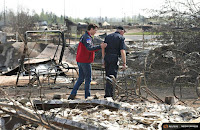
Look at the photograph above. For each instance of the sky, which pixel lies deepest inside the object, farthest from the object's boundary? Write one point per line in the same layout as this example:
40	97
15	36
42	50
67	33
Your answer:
85	8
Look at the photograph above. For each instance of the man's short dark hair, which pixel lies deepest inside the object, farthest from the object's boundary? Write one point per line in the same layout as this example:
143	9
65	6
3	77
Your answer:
92	26
121	28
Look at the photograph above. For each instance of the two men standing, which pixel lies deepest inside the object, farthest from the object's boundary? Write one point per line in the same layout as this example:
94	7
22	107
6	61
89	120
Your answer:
112	48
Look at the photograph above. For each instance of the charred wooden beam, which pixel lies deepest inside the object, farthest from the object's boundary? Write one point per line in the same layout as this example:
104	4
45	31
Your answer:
48	122
27	118
16	106
23	110
47	105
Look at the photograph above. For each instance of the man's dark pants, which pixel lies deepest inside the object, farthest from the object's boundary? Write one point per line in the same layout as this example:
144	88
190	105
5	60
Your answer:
111	68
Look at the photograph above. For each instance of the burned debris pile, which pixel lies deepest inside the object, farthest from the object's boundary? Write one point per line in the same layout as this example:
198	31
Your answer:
11	53
90	114
167	62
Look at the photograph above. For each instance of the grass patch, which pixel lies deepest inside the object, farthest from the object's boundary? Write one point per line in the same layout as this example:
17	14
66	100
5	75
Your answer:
76	36
145	33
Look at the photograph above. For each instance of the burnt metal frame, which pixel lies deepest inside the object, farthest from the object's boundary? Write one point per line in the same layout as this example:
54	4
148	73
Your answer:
180	97
21	67
50	31
135	92
197	84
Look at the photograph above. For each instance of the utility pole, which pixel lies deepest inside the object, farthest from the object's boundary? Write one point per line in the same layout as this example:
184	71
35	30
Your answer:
17	12
64	11
143	20
132	10
4	13
124	18
100	16
17	31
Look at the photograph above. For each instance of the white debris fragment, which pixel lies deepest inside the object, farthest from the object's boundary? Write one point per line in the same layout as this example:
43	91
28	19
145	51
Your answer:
77	118
90	98
28	104
151	114
10	103
109	99
106	112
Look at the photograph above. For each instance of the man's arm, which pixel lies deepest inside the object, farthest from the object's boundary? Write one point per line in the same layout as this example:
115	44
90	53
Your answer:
88	43
103	52
123	55
103	55
91	47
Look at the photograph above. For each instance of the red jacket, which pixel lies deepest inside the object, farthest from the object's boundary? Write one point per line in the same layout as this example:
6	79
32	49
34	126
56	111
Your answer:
86	49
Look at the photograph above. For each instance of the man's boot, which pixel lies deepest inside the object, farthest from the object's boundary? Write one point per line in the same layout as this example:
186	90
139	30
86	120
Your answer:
71	97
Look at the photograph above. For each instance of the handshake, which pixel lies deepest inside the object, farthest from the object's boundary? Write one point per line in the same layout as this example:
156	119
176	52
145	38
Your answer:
103	45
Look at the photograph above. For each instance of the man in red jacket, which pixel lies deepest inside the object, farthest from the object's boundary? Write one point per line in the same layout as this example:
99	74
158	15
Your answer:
85	56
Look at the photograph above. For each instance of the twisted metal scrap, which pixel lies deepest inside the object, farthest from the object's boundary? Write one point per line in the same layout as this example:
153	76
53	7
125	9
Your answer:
23	113
133	94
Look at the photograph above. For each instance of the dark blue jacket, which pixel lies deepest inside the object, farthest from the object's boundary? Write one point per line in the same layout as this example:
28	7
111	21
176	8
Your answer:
115	43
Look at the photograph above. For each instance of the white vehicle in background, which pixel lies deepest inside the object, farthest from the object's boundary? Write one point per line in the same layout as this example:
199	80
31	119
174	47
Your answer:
42	25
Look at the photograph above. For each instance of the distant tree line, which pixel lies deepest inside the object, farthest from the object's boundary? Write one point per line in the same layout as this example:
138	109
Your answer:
51	18
24	19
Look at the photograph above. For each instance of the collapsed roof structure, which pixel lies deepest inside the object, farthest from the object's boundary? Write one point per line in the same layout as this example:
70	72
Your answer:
46	63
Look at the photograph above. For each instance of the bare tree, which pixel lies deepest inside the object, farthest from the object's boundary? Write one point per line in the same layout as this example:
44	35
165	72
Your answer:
22	21
180	27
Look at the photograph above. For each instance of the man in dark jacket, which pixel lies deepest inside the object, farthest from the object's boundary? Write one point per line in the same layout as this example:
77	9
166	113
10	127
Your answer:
85	56
115	48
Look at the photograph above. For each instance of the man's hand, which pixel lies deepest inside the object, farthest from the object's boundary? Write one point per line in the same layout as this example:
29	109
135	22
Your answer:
103	45
124	66
103	63
123	54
